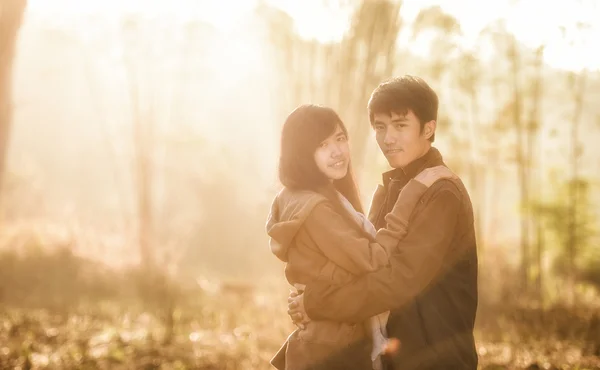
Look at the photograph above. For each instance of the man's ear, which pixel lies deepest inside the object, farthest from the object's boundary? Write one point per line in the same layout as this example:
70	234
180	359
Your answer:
429	129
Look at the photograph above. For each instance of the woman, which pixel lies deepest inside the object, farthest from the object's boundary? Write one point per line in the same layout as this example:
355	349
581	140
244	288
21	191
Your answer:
318	229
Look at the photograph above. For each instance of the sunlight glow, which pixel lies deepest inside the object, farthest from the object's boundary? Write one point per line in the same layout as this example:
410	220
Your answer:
533	21
223	14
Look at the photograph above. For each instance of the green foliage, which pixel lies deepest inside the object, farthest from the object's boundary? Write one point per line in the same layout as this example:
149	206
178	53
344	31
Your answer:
556	214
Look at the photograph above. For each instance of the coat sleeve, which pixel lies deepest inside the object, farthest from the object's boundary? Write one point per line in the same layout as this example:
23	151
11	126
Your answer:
342	243
397	220
416	261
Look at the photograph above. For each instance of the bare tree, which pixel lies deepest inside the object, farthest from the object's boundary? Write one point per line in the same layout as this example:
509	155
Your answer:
443	48
142	131
469	75
534	140
11	17
514	56
367	58
155	285
577	85
340	74
512	119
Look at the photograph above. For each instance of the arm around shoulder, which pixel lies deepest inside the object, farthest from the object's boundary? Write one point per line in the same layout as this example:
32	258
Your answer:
415	263
397	220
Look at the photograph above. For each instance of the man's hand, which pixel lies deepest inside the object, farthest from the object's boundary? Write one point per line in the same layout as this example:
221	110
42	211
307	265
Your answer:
296	309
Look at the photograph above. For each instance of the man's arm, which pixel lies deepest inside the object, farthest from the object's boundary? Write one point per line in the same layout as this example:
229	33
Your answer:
415	263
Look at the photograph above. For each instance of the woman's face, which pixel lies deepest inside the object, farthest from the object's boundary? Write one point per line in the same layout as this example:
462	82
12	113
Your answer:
333	155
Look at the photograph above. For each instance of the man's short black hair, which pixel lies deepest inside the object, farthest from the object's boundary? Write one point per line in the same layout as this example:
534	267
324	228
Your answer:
401	94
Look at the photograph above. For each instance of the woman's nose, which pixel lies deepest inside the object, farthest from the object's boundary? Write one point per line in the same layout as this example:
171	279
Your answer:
336	151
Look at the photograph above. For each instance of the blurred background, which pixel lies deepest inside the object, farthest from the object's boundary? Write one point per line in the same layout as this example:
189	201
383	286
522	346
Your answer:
138	158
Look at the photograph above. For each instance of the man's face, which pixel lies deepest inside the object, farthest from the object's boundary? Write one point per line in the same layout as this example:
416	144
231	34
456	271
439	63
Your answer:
400	137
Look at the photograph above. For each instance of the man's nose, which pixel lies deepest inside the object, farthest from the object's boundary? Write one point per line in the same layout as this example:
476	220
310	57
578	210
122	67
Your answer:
389	138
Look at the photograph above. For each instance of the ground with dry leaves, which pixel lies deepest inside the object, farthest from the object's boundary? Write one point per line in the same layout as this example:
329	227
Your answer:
57	312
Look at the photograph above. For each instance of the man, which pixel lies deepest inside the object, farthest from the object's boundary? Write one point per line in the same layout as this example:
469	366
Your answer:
430	284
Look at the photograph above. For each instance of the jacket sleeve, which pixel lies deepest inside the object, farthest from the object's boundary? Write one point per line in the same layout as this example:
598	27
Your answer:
416	261
397	220
343	243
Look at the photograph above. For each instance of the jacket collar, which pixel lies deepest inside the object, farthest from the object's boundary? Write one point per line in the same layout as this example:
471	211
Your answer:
432	158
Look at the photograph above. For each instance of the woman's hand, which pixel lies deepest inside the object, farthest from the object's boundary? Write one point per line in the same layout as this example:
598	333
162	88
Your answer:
296	309
430	175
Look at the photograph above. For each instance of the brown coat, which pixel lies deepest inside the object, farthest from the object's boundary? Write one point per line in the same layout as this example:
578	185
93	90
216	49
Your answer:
317	243
430	284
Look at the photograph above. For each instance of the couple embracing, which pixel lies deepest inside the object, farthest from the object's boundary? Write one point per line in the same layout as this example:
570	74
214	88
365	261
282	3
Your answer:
393	290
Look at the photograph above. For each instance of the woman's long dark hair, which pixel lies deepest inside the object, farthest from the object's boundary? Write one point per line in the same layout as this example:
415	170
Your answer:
303	131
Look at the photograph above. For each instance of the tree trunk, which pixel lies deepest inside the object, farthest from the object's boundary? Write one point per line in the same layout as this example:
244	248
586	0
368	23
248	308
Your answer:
375	31
521	165
142	170
578	88
533	131
473	163
344	76
11	17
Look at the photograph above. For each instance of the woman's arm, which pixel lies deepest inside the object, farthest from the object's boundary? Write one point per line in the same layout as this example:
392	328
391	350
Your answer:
397	220
413	266
343	243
